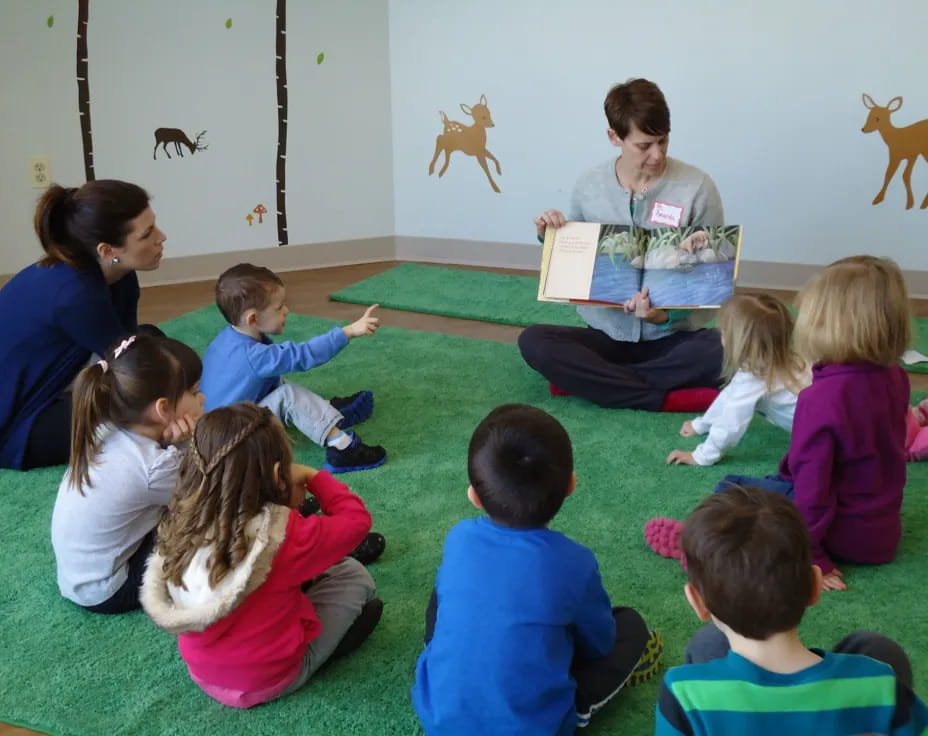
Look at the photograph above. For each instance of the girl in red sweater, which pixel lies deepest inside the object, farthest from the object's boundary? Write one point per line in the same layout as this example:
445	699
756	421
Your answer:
259	595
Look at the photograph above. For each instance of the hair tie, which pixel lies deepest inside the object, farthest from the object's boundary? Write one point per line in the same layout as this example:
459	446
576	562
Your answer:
103	364
123	346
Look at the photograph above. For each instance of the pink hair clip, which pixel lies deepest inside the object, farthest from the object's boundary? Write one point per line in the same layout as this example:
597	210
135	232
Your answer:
103	364
123	346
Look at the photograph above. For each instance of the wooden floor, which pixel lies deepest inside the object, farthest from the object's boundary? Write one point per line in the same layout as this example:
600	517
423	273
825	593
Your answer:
307	293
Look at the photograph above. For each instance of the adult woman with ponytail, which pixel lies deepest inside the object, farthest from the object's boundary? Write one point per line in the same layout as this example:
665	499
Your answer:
71	304
134	411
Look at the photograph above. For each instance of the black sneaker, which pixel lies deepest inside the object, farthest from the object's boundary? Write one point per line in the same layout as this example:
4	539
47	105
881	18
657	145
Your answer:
355	408
370	549
310	506
360	630
357	456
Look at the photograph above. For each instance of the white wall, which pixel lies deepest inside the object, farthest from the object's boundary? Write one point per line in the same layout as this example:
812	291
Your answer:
174	64
765	97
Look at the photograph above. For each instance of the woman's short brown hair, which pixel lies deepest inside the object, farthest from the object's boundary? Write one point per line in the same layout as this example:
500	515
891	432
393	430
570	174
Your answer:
637	102
855	310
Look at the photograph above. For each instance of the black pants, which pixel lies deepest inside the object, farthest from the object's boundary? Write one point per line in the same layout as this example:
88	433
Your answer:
709	643
622	375
127	597
597	679
49	441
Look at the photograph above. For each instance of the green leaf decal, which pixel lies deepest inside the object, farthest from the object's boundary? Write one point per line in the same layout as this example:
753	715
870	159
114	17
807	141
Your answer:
228	22
320	58
50	21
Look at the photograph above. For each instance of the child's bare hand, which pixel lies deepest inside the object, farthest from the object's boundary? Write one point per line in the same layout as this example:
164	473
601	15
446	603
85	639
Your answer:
687	429
681	457
179	430
367	325
300	476
833	580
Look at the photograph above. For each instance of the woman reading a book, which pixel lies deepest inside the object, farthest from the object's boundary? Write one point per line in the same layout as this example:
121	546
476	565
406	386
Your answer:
75	302
635	357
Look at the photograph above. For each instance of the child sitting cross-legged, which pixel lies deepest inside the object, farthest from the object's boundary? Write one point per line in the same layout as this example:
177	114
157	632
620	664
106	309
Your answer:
763	373
133	415
750	571
259	595
243	364
520	635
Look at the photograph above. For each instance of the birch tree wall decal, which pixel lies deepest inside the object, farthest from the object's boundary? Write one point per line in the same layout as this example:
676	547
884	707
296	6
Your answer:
83	88
282	122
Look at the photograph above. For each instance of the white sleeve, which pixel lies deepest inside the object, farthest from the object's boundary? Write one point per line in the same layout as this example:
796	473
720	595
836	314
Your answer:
731	413
164	472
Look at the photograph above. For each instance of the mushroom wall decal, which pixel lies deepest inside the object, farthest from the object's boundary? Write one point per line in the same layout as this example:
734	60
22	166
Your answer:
260	211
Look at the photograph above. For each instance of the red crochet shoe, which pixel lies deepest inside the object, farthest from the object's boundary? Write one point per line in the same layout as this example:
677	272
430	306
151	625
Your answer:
663	536
689	400
555	391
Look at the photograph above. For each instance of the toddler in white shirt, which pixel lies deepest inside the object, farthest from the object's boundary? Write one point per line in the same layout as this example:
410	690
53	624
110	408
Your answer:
764	373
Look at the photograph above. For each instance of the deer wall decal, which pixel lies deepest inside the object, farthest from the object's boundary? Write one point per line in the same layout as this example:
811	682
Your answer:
470	139
905	144
163	136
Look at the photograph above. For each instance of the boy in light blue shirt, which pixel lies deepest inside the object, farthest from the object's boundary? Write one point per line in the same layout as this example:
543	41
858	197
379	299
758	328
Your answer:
243	364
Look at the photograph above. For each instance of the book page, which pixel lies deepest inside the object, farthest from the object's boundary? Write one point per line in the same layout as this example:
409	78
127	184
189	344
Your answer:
569	271
691	267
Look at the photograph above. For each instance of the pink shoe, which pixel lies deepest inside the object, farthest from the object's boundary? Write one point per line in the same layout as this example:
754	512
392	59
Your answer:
663	536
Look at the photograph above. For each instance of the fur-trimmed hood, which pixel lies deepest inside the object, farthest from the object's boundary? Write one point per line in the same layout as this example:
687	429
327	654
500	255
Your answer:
182	611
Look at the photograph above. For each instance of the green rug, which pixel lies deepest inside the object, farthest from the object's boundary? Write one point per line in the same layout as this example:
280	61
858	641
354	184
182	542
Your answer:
456	292
488	297
65	671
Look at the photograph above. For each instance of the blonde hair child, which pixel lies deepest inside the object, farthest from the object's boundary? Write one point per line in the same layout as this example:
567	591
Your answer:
259	595
763	374
131	411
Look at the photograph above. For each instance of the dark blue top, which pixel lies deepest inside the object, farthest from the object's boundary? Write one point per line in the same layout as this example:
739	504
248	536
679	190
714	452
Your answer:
514	606
56	318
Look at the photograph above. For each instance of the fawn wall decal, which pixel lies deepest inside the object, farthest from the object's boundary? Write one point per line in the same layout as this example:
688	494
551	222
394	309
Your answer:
470	139
905	144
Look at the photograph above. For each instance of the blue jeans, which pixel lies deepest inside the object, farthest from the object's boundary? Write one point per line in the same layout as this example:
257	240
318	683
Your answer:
775	483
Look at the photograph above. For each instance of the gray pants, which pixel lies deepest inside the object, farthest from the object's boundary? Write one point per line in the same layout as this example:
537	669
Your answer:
338	595
311	414
709	643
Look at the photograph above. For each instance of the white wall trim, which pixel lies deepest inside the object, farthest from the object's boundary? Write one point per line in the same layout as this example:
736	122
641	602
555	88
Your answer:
522	256
207	267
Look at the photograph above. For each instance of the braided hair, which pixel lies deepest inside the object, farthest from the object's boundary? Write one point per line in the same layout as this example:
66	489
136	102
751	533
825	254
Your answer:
239	461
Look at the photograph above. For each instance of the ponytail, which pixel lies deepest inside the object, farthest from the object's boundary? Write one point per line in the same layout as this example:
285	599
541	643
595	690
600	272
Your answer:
71	222
91	404
119	390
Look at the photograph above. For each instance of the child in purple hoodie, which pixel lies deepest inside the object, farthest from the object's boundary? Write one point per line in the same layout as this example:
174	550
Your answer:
846	464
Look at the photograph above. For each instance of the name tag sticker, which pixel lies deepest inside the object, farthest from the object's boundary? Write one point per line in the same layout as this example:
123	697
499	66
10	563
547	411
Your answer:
663	213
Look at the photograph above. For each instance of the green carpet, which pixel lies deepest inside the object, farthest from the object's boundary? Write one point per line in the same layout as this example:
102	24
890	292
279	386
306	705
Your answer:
488	297
65	671
455	292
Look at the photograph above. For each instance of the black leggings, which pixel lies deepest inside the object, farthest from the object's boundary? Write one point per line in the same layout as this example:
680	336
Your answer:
49	441
127	597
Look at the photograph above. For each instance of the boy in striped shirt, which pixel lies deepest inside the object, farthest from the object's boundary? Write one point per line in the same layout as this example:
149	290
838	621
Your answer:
751	573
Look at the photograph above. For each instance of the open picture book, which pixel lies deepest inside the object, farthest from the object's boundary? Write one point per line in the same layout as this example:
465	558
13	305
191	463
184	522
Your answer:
691	267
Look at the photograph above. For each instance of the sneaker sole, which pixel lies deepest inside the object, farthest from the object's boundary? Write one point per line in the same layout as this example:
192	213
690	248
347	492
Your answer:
357	411
650	662
352	468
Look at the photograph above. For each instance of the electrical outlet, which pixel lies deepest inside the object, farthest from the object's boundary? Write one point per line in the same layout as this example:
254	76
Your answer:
40	172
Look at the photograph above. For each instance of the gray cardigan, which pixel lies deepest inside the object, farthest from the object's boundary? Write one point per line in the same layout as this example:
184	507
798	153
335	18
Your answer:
598	197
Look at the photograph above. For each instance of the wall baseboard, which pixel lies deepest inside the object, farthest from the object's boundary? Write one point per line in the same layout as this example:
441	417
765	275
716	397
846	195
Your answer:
522	256
527	256
285	258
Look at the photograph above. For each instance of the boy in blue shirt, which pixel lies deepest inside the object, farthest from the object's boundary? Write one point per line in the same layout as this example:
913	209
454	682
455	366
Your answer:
750	570
520	635
243	364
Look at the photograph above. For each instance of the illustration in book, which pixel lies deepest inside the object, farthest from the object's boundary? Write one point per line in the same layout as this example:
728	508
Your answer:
688	267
